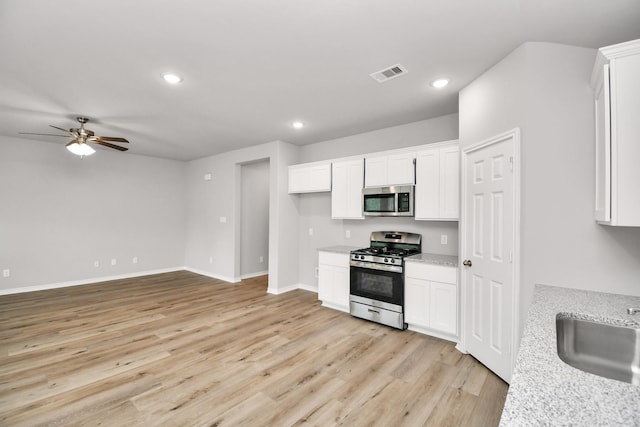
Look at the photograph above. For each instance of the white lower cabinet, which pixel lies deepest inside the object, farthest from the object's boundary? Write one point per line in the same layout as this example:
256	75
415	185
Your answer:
431	299
333	280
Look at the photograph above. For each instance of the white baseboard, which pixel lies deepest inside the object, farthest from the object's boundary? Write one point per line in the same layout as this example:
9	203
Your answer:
308	288
290	288
251	275
212	275
86	281
149	272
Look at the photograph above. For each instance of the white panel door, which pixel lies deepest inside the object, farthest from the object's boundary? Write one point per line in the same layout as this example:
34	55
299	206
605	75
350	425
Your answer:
489	275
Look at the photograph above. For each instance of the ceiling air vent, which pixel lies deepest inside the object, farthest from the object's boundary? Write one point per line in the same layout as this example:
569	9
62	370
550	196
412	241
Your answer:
389	73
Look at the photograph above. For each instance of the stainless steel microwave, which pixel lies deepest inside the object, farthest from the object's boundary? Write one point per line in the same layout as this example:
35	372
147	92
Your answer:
388	201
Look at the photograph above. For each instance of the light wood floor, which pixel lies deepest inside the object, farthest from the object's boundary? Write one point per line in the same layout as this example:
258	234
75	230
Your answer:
179	349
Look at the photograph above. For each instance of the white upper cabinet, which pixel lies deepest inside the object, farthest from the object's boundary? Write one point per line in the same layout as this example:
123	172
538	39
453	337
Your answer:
346	191
616	84
437	190
392	169
310	178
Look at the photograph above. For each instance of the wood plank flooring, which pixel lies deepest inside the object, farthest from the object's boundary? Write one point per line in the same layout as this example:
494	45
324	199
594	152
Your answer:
179	349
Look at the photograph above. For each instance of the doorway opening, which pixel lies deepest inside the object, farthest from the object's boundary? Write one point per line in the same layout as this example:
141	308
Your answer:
254	219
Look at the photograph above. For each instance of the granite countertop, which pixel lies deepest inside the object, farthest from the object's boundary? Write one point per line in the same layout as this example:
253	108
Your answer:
448	260
340	249
546	391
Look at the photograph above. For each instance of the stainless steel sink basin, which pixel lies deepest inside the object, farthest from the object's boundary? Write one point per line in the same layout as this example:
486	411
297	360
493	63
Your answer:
602	349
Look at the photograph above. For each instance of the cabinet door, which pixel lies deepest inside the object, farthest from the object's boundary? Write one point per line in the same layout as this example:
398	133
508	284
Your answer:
416	302
376	172
427	191
625	139
297	180
603	149
401	169
449	183
333	280
325	280
443	307
346	191
438	183
341	290
310	178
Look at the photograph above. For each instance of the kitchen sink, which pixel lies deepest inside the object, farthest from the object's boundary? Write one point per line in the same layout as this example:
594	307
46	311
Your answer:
602	349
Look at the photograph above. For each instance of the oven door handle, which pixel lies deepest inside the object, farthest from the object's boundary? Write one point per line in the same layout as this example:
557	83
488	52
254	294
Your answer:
374	266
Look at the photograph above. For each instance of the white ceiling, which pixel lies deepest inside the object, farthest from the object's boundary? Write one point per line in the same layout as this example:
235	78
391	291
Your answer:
251	67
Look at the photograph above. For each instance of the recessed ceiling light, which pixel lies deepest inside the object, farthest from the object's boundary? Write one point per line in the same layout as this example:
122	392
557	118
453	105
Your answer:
171	78
297	125
440	83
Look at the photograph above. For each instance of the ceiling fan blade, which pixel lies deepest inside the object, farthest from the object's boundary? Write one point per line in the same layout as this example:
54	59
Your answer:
63	130
108	138
44	134
106	144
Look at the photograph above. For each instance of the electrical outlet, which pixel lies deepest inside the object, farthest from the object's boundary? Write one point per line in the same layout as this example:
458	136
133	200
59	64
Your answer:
114	261
310	231
347	234
210	260
207	177
223	219
96	264
443	239
6	273
261	259
134	260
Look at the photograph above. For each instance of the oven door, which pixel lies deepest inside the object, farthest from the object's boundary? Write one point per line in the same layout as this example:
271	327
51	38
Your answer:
377	286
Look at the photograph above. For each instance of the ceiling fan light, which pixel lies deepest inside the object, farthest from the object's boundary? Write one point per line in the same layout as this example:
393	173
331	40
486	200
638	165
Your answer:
80	149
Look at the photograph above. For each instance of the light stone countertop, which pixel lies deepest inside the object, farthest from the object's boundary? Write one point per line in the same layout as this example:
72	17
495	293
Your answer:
544	390
448	260
340	249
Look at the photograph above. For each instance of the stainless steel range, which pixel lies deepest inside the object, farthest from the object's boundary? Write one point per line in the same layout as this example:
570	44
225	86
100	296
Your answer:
377	277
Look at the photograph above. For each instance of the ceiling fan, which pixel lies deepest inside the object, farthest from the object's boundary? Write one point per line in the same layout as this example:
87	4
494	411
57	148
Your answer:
82	136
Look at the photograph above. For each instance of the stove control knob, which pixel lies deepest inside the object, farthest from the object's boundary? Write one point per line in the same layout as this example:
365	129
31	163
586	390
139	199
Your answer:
393	261
386	260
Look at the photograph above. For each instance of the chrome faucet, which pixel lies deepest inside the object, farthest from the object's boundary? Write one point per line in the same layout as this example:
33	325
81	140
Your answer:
633	311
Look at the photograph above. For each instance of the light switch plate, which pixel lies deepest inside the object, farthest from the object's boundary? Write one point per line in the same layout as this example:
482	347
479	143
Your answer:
443	239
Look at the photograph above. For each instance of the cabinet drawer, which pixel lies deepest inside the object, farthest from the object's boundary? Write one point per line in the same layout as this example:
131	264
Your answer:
435	273
333	258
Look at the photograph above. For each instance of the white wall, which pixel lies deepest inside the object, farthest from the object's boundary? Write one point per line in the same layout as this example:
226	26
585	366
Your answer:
59	214
214	214
315	209
422	132
544	89
254	223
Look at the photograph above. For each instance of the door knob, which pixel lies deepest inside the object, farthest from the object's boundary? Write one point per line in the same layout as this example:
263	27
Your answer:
467	263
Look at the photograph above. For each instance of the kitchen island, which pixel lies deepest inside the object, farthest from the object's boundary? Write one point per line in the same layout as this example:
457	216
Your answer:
544	390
